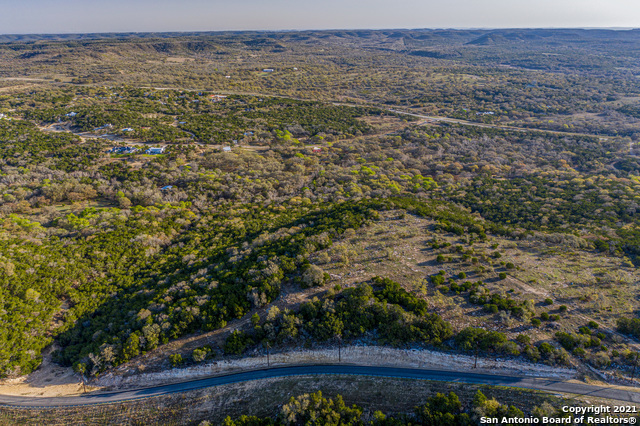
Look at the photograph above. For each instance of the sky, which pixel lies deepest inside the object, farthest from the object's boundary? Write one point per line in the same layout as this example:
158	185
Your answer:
91	16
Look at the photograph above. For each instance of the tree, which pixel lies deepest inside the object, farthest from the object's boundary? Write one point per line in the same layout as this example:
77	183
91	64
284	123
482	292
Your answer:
485	407
445	410
151	333
200	354
237	343
132	346
81	368
176	360
309	409
313	276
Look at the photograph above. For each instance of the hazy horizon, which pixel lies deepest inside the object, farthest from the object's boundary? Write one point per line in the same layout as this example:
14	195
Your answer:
324	29
144	16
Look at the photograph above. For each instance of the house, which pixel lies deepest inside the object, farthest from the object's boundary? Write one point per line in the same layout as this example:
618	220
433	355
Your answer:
128	129
268	70
123	150
106	126
72	114
166	188
226	148
248	133
317	149
155	151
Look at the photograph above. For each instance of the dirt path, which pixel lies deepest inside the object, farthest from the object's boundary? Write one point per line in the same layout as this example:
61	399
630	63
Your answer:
25	79
495	126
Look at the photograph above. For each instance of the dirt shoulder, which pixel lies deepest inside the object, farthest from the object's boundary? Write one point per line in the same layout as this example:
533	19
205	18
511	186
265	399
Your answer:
48	380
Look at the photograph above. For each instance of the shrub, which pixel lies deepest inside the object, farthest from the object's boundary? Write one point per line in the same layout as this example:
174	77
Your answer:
523	339
313	408
504	303
629	326
324	258
546	348
570	341
237	343
548	301
200	354
314	276
393	293
255	319
439	410
584	330
509	348
532	353
176	360
470	338
502	275
544	316
536	322
563	308
437	280
600	360
593	325
552	355
491	308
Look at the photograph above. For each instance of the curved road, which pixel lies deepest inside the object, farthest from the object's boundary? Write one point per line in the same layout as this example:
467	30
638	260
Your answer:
549	385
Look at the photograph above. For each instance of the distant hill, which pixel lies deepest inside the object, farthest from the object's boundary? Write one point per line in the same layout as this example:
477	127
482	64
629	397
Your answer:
471	37
570	35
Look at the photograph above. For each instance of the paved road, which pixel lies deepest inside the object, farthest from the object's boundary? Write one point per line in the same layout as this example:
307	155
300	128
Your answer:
549	385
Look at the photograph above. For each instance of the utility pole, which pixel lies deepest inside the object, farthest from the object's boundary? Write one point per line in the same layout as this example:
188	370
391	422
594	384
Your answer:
268	363
475	364
81	368
339	348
